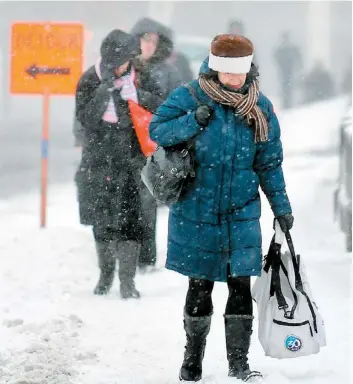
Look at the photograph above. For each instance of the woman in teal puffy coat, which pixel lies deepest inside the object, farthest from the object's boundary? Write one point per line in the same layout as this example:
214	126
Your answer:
214	231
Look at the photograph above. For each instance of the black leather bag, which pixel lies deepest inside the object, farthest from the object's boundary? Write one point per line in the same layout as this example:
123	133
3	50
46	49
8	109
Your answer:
169	171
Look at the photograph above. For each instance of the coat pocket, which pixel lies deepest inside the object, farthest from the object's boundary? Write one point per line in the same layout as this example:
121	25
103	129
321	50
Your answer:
93	194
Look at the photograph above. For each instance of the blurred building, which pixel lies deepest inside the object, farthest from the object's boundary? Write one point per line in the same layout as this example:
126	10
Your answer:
322	29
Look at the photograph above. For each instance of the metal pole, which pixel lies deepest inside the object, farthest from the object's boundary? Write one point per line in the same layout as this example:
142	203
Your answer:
44	160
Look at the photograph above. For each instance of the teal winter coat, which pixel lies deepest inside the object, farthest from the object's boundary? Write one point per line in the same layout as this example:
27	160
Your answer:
217	222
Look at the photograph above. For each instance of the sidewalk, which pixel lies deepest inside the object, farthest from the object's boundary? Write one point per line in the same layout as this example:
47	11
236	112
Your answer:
53	330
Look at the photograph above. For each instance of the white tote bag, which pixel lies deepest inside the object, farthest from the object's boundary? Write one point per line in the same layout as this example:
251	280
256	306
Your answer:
290	324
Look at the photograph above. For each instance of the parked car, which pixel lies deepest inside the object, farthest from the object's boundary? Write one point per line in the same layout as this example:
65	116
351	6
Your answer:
343	193
195	48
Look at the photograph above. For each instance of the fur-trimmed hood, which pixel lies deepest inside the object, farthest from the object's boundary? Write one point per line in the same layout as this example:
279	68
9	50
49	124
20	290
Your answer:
165	45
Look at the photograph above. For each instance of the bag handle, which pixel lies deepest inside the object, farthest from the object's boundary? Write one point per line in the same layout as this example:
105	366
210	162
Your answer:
279	234
279	239
276	280
276	264
295	261
298	279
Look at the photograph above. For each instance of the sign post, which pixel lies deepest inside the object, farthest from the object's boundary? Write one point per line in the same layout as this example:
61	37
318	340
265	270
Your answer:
44	160
46	59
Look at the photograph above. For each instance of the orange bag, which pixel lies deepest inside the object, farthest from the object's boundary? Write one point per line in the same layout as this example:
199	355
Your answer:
141	118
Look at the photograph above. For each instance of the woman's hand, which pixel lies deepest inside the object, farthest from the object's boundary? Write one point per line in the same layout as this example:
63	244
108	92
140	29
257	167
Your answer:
108	74
285	222
203	115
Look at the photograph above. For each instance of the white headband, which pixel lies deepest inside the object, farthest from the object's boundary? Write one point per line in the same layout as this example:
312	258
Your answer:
230	64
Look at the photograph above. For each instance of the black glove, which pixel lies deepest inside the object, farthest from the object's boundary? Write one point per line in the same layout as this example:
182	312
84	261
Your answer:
285	222
108	74
203	115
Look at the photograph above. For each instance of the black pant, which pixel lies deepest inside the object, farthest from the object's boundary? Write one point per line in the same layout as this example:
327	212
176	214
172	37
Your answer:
199	297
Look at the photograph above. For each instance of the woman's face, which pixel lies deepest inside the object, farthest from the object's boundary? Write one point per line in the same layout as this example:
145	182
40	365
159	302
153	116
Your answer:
149	44
232	80
120	70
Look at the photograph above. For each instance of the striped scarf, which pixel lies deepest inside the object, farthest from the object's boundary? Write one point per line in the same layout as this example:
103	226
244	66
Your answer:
246	105
126	84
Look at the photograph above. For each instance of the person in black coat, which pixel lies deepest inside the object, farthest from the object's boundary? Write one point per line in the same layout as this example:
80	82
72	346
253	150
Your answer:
157	47
78	133
109	174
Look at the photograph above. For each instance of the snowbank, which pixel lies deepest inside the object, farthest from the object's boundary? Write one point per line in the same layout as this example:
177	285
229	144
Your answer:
53	330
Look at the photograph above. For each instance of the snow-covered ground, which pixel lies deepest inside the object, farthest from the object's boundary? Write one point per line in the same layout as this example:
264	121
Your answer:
53	330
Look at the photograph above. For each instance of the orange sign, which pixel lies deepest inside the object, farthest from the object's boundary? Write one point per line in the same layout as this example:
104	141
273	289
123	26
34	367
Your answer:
46	57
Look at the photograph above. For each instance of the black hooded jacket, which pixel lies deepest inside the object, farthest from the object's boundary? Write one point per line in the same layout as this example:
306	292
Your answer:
111	155
162	72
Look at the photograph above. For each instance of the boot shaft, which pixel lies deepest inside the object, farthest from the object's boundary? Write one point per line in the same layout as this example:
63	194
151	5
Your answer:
196	329
106	256
128	252
107	261
238	330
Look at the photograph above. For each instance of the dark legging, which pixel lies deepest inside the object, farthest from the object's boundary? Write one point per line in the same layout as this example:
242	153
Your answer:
199	297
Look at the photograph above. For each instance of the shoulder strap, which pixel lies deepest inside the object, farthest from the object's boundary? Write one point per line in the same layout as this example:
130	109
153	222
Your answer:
192	91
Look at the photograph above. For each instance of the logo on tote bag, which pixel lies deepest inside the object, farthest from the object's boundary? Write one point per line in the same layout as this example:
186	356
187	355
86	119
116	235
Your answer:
293	343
